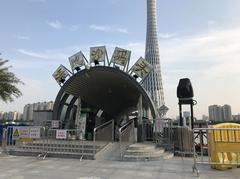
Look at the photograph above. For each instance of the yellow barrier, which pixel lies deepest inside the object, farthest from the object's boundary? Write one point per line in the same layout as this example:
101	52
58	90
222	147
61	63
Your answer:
224	145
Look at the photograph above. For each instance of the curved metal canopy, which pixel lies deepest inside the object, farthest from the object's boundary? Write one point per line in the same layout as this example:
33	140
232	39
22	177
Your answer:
105	88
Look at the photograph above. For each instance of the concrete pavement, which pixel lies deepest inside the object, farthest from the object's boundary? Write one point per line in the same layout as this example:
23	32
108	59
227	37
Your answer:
15	167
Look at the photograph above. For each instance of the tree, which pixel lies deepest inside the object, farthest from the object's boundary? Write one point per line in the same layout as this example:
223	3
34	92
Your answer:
8	82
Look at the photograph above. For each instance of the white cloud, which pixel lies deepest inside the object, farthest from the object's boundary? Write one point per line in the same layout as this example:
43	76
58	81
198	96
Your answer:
219	50
211	22
108	29
122	30
22	37
74	28
167	35
210	60
100	28
55	24
47	54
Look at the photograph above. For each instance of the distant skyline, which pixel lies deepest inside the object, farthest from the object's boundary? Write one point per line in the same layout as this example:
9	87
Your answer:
198	39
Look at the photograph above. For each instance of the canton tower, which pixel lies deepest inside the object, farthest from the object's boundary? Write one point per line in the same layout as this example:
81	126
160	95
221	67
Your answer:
153	82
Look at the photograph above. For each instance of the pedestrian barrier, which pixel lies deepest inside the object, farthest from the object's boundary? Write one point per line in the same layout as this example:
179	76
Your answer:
65	142
164	133
41	142
218	146
24	139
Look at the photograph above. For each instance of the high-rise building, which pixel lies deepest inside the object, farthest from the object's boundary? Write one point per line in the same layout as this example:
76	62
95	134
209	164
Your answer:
28	111
215	113
220	113
1	115
227	113
236	117
153	82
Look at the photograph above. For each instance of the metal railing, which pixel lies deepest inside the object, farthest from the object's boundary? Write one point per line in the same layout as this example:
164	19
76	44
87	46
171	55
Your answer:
219	147
126	136
67	143
164	137
48	143
11	142
103	132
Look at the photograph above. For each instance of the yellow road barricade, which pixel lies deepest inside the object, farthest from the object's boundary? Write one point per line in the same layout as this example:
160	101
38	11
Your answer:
218	146
224	145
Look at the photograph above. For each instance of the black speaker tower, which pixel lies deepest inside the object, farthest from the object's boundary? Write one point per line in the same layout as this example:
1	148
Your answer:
185	97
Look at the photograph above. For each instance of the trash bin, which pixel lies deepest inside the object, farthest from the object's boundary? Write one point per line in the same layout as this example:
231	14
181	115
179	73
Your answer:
225	145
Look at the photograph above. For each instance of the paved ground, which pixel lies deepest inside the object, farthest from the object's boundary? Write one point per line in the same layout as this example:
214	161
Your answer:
15	167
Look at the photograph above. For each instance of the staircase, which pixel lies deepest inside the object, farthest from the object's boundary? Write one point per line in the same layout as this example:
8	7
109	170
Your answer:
61	149
146	151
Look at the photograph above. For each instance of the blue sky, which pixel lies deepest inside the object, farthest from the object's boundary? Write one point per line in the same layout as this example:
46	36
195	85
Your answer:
199	39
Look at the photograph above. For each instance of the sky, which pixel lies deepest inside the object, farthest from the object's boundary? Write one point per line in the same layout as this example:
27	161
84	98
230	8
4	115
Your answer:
199	39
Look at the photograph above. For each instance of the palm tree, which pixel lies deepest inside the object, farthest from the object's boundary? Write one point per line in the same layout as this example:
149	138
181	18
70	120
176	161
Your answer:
8	82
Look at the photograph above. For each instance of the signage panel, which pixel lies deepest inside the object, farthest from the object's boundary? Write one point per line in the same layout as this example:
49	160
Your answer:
97	54
121	56
142	68
61	134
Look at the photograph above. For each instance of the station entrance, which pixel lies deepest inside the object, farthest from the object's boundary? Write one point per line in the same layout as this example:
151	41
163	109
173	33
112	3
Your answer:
92	97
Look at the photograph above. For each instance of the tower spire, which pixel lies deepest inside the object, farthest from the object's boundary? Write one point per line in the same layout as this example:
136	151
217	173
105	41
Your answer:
153	82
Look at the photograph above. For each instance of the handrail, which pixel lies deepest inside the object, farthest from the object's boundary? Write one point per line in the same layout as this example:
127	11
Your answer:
126	124
121	131
100	127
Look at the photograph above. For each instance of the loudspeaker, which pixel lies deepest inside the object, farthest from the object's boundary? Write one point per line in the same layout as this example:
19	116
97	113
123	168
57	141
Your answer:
184	89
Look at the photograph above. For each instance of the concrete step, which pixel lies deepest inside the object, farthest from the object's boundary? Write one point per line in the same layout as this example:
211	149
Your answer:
155	157
57	150
145	152
86	156
142	146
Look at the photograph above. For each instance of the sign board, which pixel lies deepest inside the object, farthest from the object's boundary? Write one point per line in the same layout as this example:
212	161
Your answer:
77	60
97	54
142	68
26	139
34	132
15	134
158	125
121	56
61	134
83	121
23	132
55	124
60	74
